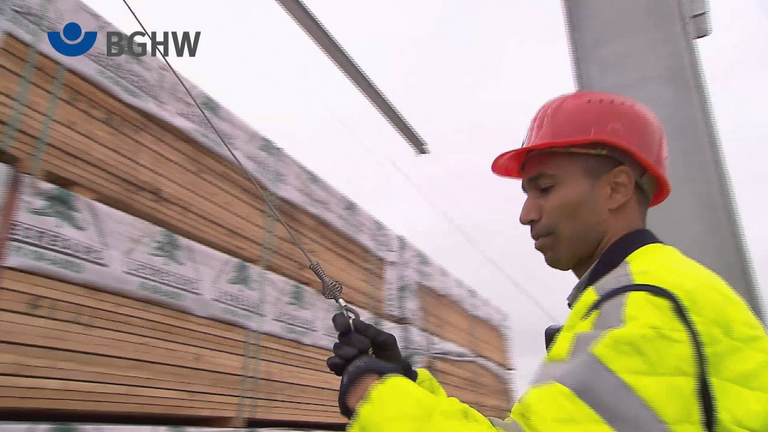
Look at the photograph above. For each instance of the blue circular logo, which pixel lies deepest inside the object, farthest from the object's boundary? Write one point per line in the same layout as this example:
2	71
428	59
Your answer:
72	31
65	42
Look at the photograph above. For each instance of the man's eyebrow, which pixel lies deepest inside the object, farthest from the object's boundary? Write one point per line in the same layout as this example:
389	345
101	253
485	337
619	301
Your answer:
534	179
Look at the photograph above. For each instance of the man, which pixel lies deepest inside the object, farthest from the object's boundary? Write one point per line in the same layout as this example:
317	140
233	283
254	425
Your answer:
654	340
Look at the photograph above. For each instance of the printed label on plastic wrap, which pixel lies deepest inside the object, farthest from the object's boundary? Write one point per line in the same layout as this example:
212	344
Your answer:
298	312
237	292
55	231
160	264
65	236
267	163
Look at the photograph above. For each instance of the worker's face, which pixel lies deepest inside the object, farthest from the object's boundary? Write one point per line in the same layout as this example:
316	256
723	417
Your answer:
565	210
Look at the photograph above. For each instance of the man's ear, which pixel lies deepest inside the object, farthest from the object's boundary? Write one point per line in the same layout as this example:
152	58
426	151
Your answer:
621	186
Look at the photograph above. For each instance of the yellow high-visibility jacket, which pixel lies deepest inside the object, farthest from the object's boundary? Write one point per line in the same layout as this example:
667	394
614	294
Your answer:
654	342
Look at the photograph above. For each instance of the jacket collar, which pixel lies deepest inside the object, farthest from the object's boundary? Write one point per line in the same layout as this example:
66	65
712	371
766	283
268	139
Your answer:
614	255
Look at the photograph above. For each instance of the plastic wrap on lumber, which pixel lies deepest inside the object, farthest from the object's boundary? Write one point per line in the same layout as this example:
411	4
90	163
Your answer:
61	234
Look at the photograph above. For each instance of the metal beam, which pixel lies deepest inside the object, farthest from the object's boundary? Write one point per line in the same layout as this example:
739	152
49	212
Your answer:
698	10
310	24
645	49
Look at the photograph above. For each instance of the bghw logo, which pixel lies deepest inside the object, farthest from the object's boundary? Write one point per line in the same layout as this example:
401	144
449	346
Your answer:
72	41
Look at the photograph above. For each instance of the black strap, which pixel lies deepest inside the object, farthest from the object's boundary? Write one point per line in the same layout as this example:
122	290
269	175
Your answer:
706	398
550	333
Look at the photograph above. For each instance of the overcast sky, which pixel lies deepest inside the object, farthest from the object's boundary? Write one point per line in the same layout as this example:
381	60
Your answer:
468	76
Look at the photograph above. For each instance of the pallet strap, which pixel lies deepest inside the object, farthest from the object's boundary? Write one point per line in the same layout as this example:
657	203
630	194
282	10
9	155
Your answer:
250	380
50	114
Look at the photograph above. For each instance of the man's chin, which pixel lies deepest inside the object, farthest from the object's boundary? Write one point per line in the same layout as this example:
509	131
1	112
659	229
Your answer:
555	263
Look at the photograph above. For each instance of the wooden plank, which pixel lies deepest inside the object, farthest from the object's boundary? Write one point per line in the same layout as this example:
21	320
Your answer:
55	350
161	318
65	312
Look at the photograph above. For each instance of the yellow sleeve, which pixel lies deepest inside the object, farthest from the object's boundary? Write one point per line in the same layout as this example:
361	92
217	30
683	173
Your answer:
428	382
397	404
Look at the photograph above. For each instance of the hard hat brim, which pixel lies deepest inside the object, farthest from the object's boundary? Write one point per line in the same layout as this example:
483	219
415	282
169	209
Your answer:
510	164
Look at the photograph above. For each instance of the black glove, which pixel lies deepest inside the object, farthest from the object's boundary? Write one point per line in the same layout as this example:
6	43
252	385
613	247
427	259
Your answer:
359	367
366	337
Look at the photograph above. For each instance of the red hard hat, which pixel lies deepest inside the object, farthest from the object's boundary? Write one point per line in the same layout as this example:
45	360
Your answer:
586	117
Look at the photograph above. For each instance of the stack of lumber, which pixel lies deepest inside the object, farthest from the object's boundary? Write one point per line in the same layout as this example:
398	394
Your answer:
82	345
423	293
85	351
474	385
444	318
141	165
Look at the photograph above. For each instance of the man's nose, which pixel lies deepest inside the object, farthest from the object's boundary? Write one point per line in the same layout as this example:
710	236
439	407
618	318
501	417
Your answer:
530	213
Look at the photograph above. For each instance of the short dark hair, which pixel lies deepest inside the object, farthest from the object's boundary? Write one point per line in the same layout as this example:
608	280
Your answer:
598	166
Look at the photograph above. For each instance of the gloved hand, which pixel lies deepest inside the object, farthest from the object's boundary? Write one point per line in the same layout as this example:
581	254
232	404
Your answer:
360	367
352	345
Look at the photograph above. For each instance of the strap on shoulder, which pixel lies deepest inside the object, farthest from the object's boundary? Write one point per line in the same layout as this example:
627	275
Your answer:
706	398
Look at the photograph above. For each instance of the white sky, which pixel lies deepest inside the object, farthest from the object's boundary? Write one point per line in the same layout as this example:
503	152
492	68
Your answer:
468	76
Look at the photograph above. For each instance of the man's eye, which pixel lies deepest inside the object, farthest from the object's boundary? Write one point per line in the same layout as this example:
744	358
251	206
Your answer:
545	189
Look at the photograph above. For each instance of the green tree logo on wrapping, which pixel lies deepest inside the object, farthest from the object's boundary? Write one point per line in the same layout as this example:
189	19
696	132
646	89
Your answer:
210	106
422	267
241	276
312	178
268	147
350	208
272	168
60	205
297	297
168	248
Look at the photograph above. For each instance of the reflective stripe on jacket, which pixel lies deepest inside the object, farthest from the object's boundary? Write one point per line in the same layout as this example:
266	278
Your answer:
625	360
